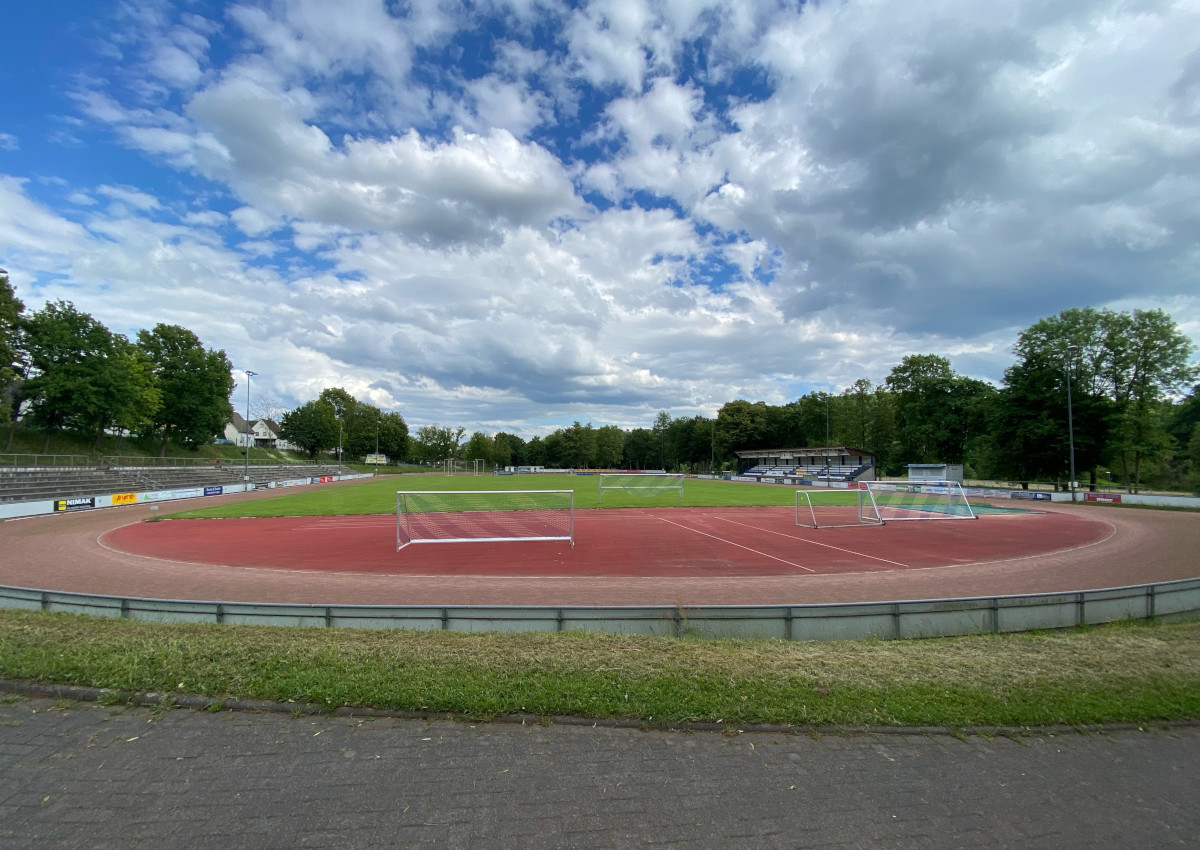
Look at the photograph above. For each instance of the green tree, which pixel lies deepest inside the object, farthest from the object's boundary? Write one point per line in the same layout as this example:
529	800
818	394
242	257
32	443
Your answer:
437	443
641	449
393	436
195	383
510	449
12	360
312	426
937	411
610	446
480	447
1122	365
70	369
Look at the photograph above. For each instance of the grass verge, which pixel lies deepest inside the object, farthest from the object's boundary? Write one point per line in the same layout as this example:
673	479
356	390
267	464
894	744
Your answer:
1116	674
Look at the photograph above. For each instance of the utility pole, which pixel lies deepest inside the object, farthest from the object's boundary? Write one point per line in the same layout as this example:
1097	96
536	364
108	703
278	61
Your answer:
246	476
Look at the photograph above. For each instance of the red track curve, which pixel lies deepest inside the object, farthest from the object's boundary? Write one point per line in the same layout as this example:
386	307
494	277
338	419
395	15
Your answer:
1121	547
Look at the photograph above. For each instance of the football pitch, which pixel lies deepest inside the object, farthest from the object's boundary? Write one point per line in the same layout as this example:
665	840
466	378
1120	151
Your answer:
378	495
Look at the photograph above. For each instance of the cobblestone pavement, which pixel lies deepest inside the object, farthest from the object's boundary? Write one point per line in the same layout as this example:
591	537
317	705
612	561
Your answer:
83	775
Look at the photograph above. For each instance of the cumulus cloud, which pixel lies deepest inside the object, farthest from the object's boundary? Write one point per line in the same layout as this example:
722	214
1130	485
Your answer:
526	213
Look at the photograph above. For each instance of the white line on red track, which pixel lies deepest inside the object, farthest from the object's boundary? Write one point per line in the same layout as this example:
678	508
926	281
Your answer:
738	545
813	542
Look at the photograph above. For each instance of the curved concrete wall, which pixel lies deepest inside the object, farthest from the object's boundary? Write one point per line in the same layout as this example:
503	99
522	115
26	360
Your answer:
1177	600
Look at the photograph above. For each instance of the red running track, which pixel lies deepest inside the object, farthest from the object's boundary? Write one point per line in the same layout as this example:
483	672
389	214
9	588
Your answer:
662	542
74	552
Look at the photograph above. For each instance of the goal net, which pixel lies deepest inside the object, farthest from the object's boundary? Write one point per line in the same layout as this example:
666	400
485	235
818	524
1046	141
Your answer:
484	516
899	501
836	508
641	483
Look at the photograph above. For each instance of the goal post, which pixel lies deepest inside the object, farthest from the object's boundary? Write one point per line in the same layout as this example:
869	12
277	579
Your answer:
641	483
836	508
484	516
899	501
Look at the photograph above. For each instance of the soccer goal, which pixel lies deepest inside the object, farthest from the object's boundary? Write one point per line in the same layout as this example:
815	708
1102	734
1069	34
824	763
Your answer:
898	501
836	508
641	483
484	516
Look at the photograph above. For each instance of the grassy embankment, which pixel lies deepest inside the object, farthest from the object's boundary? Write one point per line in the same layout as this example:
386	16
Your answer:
1137	674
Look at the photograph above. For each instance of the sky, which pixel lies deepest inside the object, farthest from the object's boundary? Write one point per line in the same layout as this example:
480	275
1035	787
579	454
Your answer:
515	215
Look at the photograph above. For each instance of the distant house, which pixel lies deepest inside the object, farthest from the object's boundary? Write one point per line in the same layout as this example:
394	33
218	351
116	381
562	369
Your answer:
264	433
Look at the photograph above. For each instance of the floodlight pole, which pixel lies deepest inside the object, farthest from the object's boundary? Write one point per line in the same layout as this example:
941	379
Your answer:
828	440
1072	350
246	475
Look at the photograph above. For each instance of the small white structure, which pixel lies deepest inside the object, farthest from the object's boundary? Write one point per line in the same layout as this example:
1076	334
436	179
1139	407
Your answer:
925	472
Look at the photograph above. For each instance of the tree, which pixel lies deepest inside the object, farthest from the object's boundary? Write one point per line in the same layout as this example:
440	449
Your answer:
195	383
437	443
12	360
393	436
1121	365
71	358
937	411
312	426
610	446
480	447
509	448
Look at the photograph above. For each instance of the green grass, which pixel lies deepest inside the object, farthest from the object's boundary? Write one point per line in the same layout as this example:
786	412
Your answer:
1126	673
378	496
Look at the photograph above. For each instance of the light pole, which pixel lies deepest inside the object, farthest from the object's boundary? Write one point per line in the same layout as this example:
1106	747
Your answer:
1072	350
246	475
828	440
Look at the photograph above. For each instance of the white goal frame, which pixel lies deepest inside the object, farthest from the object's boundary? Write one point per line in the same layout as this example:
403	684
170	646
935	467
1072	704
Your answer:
903	501
811	513
484	516
641	483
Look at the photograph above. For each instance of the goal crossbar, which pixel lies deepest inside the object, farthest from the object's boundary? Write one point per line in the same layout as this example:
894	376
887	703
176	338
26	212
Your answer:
484	516
641	483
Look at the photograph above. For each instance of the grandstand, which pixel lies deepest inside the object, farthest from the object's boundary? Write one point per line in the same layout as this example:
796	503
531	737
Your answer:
31	484
825	463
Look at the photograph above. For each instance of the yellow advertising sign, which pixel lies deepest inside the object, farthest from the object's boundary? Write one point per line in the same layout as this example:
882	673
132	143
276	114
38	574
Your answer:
124	499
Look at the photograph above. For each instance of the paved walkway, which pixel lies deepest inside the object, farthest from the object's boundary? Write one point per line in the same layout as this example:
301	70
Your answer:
89	776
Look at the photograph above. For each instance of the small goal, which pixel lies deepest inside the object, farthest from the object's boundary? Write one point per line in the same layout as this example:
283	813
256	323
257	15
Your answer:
836	508
641	483
899	501
484	516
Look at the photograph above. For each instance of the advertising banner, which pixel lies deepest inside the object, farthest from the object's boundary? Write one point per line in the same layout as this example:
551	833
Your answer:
76	504
214	491
1113	498
124	498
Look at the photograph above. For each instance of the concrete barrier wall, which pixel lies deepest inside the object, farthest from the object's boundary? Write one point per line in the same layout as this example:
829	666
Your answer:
1177	600
13	510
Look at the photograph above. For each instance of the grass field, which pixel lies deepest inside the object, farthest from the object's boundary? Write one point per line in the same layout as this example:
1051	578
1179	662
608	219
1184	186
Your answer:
378	496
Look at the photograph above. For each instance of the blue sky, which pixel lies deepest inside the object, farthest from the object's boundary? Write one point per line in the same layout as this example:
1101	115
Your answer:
509	216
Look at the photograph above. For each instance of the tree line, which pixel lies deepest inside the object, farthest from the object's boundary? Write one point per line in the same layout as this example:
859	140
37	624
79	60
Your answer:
1120	385
62	370
1133	409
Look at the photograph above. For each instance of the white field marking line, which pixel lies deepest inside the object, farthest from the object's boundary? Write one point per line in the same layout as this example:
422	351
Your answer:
738	545
814	542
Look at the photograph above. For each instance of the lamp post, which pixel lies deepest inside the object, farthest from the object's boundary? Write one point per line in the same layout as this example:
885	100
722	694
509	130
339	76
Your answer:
1072	350
246	474
828	440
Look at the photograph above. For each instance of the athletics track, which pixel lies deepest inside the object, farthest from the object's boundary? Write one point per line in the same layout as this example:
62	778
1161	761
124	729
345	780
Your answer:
733	556
678	542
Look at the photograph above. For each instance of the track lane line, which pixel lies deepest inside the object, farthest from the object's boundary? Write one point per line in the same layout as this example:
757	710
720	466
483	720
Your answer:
814	542
738	545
